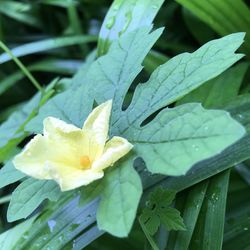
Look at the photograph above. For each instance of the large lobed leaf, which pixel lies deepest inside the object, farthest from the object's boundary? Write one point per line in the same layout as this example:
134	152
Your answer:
28	196
182	136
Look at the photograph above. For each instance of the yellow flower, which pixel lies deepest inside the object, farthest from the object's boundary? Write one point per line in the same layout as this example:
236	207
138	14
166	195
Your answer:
71	156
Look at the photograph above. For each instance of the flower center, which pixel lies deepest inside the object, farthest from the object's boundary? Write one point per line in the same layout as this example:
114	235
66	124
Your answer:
85	162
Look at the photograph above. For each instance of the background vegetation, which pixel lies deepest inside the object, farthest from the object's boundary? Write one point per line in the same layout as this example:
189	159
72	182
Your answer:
53	39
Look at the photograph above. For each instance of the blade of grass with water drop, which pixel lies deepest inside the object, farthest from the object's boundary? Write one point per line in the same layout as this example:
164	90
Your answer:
209	229
180	240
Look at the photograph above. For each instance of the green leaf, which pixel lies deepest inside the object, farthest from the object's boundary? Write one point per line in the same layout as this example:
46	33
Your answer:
219	15
28	196
150	220
237	221
157	211
179	76
206	235
9	175
91	192
220	90
19	11
12	131
117	209
125	16
45	45
59	224
180	240
60	3
10	134
128	54
188	134
153	60
72	106
9	238
172	220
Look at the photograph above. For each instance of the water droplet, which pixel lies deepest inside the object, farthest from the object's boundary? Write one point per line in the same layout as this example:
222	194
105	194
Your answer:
245	228
110	23
60	238
206	128
195	147
51	224
74	243
117	6
128	17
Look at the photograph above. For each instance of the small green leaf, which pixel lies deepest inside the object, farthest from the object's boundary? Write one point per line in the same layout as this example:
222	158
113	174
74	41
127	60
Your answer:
171	219
28	196
150	220
119	199
9	174
157	211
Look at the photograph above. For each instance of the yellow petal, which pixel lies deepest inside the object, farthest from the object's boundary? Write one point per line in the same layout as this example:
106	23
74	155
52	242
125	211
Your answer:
70	178
32	159
98	122
116	148
54	128
68	141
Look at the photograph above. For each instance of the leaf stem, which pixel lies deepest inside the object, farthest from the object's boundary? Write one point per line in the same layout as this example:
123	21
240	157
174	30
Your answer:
5	199
148	236
22	67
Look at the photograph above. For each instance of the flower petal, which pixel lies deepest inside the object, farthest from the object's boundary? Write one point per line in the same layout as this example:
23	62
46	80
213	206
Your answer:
53	127
32	159
116	148
70	178
98	122
69	141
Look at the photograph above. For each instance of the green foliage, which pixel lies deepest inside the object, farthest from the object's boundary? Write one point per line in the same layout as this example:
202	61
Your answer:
160	114
206	235
117	209
28	196
10	237
219	15
8	174
158	211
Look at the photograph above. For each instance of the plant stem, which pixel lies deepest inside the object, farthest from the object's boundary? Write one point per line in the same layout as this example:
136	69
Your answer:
22	67
5	199
148	236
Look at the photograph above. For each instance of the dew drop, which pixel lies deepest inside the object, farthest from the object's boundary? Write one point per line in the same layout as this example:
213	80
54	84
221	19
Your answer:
110	23
206	128
245	228
51	224
128	16
155	6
